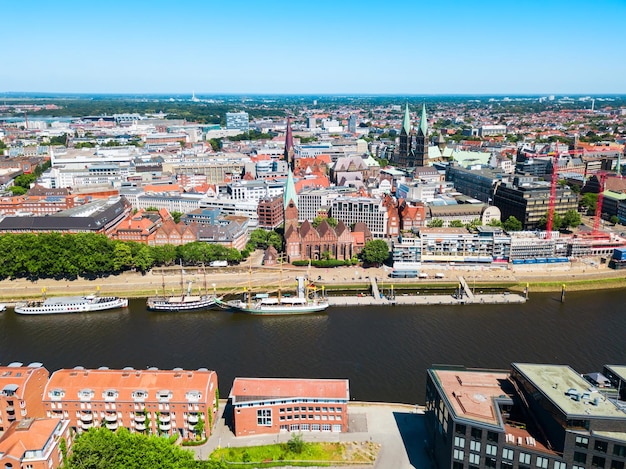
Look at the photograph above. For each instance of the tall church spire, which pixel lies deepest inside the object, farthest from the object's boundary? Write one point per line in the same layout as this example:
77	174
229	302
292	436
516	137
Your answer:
423	121
421	140
405	152
289	152
406	121
290	203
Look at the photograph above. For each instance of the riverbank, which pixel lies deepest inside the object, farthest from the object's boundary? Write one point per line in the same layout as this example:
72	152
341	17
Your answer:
576	276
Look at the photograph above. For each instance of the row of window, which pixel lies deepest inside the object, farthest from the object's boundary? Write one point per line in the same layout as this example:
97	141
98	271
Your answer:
137	407
310	417
314	427
282	410
524	459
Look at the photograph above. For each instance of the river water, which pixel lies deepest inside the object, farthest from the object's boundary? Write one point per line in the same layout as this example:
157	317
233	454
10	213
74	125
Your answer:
383	351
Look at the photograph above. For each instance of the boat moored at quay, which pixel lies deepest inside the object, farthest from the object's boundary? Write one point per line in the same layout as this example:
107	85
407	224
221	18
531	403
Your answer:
71	304
306	302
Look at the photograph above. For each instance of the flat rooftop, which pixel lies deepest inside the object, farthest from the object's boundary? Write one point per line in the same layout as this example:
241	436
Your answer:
618	370
471	393
260	389
560	382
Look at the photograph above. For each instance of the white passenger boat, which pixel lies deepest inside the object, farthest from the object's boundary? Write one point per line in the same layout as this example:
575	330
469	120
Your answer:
71	304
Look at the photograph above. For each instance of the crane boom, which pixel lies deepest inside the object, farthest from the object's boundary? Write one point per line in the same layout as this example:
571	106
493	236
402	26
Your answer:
598	216
553	183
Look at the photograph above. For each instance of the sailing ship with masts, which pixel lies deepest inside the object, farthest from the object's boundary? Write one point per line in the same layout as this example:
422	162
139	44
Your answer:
306	301
186	301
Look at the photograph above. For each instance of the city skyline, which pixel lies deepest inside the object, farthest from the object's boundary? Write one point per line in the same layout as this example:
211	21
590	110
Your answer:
323	48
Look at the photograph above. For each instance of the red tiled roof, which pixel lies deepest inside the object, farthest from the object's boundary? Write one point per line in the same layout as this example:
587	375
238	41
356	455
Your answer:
27	435
246	388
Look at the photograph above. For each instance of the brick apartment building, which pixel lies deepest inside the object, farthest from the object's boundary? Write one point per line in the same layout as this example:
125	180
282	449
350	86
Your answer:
34	444
273	405
21	392
164	402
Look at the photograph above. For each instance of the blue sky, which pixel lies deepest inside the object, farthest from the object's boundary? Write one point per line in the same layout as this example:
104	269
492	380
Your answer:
314	46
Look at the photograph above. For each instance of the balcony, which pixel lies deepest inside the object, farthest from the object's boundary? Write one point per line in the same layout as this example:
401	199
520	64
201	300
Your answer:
111	425
111	417
10	408
140	418
86	425
164	418
164	427
140	427
86	416
192	418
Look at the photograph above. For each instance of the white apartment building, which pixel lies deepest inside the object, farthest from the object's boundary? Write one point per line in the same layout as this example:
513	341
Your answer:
370	211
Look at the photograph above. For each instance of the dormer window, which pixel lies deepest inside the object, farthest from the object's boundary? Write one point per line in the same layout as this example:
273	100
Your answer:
56	394
9	390
85	394
193	396
110	394
140	395
164	396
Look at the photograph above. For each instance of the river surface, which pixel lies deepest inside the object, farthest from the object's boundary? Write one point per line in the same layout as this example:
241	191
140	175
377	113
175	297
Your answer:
383	351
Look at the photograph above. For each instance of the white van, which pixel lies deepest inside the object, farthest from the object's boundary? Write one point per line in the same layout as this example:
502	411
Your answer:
218	264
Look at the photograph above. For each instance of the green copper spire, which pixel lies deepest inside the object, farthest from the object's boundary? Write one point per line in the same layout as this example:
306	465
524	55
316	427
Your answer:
423	121
406	122
290	191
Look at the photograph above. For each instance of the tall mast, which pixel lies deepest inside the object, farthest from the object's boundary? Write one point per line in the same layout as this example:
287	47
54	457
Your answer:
206	293
182	280
250	284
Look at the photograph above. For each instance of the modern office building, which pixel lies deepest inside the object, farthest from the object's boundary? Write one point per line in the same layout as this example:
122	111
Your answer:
368	210
273	405
528	200
21	391
476	183
163	402
238	120
270	212
535	416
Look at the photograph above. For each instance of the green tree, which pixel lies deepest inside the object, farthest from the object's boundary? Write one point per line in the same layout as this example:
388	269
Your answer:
262	239
122	257
296	444
100	448
589	201
375	252
456	224
199	427
495	222
557	222
571	218
435	223
176	216
17	190
512	224
330	220
614	219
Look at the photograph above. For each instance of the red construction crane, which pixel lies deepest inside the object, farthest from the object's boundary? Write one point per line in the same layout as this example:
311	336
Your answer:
596	222
553	184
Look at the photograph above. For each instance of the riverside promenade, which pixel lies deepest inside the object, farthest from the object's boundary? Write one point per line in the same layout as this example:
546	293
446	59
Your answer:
464	295
398	428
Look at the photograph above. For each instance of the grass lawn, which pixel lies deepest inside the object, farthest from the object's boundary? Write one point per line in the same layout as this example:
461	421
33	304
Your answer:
313	454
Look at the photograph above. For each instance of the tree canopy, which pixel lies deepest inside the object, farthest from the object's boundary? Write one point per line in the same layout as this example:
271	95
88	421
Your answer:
375	252
512	224
100	448
58	255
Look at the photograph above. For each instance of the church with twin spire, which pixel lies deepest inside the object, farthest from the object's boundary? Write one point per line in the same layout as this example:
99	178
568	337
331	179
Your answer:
413	149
